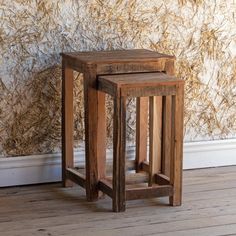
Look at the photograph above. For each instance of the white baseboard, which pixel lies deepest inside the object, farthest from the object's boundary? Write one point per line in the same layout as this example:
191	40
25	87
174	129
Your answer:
47	168
209	154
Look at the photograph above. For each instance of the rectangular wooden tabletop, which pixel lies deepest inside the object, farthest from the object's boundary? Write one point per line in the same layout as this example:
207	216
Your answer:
139	79
115	56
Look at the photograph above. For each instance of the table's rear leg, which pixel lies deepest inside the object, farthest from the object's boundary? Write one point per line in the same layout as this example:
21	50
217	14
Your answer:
67	123
166	155
166	135
141	131
155	137
177	146
119	143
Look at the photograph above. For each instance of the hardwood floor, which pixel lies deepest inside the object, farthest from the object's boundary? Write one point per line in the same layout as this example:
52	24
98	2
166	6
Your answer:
209	209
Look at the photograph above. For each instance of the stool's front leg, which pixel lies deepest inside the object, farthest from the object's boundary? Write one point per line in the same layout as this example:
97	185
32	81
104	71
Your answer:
177	146
166	139
119	142
67	123
95	133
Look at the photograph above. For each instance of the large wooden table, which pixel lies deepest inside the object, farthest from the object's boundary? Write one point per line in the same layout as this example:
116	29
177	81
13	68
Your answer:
92	64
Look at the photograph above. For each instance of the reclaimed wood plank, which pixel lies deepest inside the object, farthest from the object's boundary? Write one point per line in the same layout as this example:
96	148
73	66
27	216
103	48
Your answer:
177	146
76	177
149	192
155	136
119	137
141	131
67	123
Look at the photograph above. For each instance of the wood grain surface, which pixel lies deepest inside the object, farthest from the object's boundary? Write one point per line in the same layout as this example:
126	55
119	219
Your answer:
208	209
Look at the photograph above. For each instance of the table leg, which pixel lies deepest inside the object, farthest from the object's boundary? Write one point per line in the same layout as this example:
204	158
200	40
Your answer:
155	137
119	143
166	139
177	146
141	131
166	135
67	123
95	133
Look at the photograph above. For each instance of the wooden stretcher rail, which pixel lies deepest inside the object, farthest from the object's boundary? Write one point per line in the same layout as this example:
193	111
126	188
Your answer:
75	176
106	187
162	179
149	192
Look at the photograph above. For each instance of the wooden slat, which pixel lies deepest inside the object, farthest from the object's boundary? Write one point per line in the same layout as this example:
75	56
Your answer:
166	135
106	187
172	148
119	136
162	179
129	166
95	141
166	155
177	147
101	136
155	136
133	178
141	131
149	192
67	123
133	67
152	90
75	176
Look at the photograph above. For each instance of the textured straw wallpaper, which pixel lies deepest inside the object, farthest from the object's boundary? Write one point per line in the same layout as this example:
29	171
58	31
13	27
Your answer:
201	34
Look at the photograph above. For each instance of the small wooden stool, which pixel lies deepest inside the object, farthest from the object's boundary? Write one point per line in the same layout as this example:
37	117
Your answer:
121	87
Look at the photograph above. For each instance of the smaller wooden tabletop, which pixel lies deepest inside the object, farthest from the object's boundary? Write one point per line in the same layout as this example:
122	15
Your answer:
139	79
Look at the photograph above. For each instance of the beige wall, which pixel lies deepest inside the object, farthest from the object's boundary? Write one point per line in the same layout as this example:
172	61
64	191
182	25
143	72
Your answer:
201	34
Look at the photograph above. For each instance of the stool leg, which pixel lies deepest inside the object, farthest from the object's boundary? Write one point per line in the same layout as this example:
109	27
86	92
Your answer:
166	157
177	146
166	135
67	123
141	131
119	142
101	150
95	133
155	136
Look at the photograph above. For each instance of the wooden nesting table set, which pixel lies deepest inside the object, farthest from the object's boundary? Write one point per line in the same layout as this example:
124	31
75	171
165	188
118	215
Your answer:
148	77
